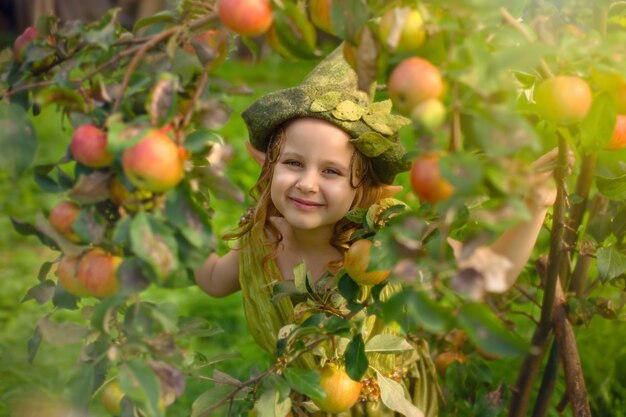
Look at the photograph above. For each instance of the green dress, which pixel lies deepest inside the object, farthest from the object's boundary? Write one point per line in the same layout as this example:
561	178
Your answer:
414	369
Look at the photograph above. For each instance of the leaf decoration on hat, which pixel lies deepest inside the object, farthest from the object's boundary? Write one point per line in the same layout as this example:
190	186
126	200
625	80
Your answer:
348	110
372	144
326	102
379	122
380	107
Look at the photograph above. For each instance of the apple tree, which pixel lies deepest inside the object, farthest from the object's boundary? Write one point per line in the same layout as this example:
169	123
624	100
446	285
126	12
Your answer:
489	86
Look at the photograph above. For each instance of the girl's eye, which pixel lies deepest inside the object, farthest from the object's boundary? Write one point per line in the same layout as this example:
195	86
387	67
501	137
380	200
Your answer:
292	163
332	171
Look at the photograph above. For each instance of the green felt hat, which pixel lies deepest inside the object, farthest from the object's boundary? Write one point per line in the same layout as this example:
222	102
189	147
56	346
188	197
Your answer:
329	92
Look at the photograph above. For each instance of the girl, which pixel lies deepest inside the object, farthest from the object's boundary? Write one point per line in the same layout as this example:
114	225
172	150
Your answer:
324	149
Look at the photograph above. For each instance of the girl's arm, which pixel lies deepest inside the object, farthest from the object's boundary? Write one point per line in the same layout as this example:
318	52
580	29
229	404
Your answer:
501	263
219	276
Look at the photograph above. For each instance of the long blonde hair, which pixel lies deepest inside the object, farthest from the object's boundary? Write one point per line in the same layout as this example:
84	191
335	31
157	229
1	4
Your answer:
368	188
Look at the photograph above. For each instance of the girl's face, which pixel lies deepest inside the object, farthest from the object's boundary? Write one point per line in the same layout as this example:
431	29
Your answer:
311	184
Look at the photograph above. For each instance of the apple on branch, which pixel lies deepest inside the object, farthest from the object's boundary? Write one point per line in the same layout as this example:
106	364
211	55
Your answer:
154	163
97	271
63	216
89	147
412	82
246	17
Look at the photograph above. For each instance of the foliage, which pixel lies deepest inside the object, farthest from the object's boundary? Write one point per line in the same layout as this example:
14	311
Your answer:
165	75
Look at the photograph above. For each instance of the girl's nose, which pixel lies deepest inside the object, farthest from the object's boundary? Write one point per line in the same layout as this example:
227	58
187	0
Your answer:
307	183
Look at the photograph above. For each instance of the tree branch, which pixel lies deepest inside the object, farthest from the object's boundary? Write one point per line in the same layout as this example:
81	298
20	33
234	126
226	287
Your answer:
532	362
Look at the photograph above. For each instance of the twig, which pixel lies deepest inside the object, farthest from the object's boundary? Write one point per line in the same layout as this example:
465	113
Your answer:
199	89
138	49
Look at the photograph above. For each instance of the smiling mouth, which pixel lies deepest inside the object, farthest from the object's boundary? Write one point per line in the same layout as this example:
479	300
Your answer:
305	204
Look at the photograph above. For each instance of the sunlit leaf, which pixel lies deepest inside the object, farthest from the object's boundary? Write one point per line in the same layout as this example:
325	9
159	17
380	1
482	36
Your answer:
305	381
392	395
597	127
611	263
387	343
613	188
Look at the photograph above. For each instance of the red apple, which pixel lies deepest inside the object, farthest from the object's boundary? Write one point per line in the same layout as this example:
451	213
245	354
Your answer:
413	81
22	41
63	216
154	163
246	17
89	147
563	99
67	271
426	179
412	33
356	261
97	271
319	10
618	139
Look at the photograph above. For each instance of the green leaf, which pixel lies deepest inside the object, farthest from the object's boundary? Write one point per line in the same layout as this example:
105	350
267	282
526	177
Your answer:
270	404
348	17
33	345
42	292
200	139
611	263
44	270
392	395
348	288
387	343
305	381
64	333
597	127
300	277
64	97
612	188
102	33
356	360
165	16
80	387
139	382
409	307
63	300
488	333
18	140
152	247
294	31
206	403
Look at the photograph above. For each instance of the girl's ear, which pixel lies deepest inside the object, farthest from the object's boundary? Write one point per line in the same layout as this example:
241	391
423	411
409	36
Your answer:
256	154
390	190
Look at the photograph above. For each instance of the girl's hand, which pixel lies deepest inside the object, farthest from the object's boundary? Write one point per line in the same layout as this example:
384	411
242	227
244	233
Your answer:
542	186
